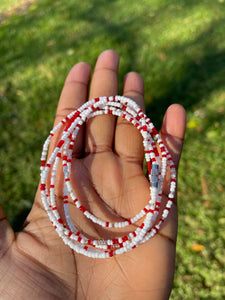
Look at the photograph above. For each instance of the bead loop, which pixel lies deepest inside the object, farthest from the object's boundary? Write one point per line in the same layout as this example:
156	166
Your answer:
157	160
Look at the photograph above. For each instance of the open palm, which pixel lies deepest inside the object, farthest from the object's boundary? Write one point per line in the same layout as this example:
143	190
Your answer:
107	175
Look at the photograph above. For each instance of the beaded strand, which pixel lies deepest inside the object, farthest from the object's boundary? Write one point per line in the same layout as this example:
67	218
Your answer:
126	108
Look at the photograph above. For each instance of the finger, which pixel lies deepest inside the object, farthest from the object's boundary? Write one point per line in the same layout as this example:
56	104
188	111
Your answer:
75	90
100	130
73	95
6	233
128	140
173	131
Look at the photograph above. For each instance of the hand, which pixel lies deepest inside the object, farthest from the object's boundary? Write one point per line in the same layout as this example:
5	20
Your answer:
106	170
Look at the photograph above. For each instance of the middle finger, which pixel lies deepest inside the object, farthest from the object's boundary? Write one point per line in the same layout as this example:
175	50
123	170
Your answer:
100	130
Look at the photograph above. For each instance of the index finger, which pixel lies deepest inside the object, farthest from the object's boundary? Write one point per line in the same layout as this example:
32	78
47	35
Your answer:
73	95
75	90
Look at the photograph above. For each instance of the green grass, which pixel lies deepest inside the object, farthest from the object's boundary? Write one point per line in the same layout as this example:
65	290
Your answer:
179	48
5	5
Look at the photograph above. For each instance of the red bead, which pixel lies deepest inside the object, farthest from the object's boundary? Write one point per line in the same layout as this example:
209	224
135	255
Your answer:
125	238
154	131
149	165
42	187
67	126
83	209
61	142
156	229
76	114
144	128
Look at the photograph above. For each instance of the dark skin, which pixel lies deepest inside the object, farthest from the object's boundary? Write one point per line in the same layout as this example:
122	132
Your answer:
107	176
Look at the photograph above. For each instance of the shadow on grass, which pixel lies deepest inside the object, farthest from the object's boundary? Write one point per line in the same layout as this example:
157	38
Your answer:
200	75
29	43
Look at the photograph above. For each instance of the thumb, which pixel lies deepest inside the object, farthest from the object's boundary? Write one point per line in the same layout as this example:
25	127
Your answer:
7	235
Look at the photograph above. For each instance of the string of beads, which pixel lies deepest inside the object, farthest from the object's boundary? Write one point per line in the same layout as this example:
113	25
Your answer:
157	159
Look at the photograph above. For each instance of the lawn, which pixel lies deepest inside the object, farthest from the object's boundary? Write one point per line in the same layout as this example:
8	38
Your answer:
179	48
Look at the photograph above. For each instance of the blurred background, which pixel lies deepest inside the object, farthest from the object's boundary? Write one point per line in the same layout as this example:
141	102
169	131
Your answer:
178	46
